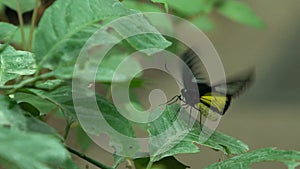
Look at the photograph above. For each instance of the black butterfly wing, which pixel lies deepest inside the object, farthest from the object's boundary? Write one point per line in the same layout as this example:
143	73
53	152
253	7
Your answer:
204	102
191	74
216	97
232	88
194	63
236	85
197	68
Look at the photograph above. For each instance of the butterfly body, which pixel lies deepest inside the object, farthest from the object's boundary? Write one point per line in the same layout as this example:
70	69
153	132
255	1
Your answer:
218	102
209	98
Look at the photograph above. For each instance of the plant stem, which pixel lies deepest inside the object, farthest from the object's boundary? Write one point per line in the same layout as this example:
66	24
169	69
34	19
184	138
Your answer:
34	16
21	22
67	129
25	82
89	159
149	164
108	94
129	165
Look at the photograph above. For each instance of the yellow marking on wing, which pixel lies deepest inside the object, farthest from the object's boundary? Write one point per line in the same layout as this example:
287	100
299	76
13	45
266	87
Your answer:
217	101
207	112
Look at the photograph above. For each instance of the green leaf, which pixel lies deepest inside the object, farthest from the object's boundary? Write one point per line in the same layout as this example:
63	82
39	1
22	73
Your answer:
38	126
180	139
49	84
109	65
14	63
59	40
2	7
261	155
240	12
109	121
21	145
30	150
7	30
20	5
60	97
42	105
108	69
82	139
203	23
144	7
164	2
168	142
17	38
11	115
192	7
118	160
165	163
292	164
141	34
161	22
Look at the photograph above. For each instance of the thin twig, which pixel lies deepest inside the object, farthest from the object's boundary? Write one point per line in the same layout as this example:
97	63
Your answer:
25	82
89	159
21	22
67	130
129	164
33	20
150	163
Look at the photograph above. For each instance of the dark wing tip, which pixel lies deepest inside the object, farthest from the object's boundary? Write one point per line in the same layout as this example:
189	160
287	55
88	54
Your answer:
246	79
195	64
236	85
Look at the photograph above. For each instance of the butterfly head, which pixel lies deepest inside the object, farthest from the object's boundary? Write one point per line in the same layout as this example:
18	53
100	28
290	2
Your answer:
190	97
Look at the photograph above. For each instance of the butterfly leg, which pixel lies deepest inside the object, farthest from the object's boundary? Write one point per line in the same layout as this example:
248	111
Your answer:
200	115
172	100
177	111
191	109
200	121
185	106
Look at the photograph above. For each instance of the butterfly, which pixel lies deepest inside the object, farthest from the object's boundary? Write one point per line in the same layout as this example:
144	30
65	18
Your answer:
209	99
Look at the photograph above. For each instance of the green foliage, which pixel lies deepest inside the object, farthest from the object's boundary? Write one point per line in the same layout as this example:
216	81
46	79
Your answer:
51	153
19	131
166	163
17	38
191	8
83	139
182	139
37	84
164	2
145	7
203	23
15	63
240	12
20	5
6	31
58	47
61	43
243	161
39	103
